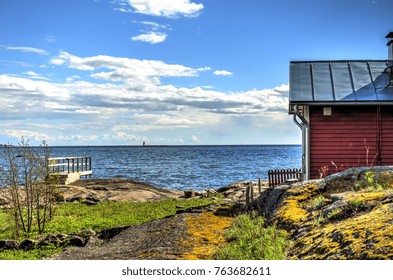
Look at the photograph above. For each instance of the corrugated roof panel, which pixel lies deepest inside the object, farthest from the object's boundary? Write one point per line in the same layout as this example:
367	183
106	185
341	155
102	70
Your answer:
364	88
343	84
323	89
339	81
300	82
361	74
385	94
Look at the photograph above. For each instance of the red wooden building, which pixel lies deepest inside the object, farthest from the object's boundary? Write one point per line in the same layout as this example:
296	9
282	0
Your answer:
345	112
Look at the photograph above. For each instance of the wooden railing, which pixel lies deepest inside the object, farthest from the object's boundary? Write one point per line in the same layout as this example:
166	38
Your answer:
277	176
67	165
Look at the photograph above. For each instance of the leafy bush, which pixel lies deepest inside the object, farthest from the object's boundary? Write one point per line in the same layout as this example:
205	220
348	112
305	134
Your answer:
25	177
249	239
371	182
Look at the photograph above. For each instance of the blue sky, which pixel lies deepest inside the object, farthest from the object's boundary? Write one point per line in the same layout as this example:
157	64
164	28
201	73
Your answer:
120	72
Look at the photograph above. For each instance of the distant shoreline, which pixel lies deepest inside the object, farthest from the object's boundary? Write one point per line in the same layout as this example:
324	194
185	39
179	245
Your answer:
176	146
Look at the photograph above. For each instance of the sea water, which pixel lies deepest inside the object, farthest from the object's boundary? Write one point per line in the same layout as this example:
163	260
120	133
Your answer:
186	167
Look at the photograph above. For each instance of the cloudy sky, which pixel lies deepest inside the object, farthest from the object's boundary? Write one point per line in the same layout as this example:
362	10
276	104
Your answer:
120	72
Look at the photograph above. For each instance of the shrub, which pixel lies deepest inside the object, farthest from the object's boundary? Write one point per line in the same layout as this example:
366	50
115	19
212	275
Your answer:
371	182
249	239
25	177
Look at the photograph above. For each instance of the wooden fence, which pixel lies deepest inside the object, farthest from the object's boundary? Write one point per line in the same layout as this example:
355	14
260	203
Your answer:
278	176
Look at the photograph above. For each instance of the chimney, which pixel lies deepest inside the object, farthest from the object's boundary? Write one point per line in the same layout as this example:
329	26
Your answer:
390	46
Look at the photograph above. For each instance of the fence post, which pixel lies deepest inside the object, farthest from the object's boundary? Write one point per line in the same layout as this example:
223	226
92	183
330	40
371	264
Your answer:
247	195
252	192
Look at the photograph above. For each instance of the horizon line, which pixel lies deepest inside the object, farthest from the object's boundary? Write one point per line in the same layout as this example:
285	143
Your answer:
157	145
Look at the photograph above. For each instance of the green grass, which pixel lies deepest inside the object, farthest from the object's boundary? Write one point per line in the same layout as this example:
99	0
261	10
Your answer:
249	239
4	222
75	217
72	217
34	254
318	201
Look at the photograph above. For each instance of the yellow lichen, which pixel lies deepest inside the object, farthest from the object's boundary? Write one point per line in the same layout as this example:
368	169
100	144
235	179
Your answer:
367	236
357	223
366	196
304	192
206	233
293	208
291	212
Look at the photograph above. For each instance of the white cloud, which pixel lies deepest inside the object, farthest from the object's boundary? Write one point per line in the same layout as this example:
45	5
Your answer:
29	87
129	104
127	137
151	37
132	71
195	138
72	139
18	134
165	8
72	78
222	73
153	32
154	26
25	49
34	75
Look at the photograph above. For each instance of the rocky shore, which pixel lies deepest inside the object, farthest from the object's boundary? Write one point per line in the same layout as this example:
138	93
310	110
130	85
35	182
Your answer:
166	238
347	215
92	191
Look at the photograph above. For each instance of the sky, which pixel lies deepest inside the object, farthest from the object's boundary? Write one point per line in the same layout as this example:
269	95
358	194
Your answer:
169	72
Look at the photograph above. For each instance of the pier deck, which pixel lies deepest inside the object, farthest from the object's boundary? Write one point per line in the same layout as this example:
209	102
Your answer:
70	169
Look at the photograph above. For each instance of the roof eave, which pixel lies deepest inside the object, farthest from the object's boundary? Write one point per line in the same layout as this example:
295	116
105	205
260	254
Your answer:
340	103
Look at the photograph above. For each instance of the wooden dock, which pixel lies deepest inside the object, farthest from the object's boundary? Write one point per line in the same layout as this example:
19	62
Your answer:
70	169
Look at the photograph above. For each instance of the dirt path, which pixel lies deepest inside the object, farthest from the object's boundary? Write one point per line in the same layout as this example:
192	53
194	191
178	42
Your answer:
158	239
182	236
191	235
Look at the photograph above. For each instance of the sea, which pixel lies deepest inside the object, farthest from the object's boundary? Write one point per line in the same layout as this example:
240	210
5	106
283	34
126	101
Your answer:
186	167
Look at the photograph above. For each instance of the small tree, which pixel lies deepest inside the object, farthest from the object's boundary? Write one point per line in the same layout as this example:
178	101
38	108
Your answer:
25	176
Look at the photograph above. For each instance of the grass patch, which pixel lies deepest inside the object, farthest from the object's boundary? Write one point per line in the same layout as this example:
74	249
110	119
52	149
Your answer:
249	239
318	201
374	182
4	223
75	217
34	254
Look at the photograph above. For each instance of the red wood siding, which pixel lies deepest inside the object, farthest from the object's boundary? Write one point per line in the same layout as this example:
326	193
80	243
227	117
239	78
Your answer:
351	136
387	136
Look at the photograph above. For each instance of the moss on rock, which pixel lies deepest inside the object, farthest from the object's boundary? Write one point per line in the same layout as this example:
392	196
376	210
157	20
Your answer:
329	221
206	233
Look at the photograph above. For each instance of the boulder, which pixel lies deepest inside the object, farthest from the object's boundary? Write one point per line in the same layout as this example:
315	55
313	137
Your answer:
74	240
347	215
189	193
109	233
28	244
8	245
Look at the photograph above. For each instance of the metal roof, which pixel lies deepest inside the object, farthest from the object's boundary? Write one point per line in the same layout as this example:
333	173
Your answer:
348	81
